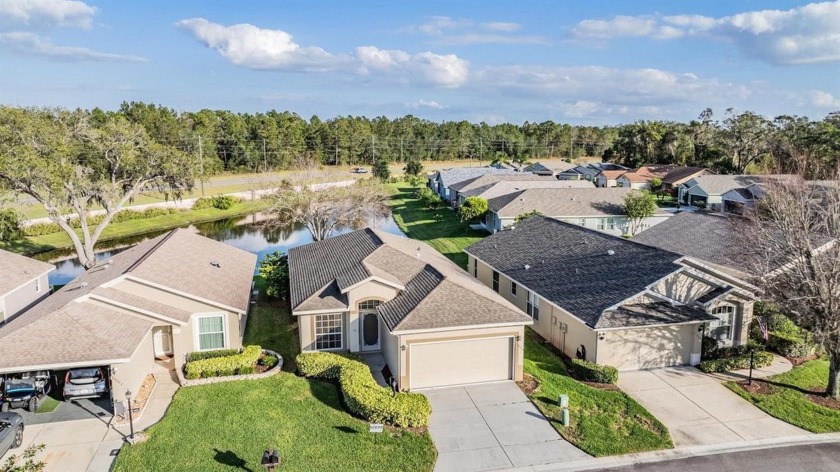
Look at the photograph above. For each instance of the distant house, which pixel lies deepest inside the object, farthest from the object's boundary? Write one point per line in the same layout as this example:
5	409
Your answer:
435	325
506	187
706	191
611	300
476	185
441	181
608	178
671	176
23	282
164	298
597	209
589	171
553	168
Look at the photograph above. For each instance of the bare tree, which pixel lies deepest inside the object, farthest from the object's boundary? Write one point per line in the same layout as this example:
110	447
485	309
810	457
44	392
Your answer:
323	206
792	243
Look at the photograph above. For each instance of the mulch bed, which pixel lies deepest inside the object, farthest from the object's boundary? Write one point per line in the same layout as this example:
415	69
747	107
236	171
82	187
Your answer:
822	400
758	386
801	360
528	384
138	401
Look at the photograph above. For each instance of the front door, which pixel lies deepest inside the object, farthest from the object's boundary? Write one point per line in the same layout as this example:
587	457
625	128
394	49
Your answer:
162	337
370	325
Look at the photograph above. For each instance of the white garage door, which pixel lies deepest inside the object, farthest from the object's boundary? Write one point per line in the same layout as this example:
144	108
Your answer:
440	364
647	348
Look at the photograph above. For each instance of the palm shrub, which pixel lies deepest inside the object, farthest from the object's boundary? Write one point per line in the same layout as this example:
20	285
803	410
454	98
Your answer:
362	395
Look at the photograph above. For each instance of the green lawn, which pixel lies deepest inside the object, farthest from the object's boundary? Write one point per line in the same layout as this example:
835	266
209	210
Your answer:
441	228
50	242
226	426
602	422
788	400
47	405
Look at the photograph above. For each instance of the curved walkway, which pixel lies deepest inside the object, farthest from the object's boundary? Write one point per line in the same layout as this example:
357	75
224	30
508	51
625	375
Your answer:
780	365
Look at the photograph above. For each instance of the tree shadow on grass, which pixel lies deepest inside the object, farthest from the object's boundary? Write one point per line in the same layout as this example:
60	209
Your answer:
346	429
327	393
230	459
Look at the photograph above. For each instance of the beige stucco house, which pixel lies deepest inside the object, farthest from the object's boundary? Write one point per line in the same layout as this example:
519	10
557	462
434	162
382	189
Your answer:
164	298
610	300
370	291
23	282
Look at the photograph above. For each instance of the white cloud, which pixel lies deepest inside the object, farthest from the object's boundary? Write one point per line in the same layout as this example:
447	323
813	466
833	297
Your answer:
801	35
579	108
436	25
41	13
32	44
484	38
821	99
248	46
257	48
501	26
425	104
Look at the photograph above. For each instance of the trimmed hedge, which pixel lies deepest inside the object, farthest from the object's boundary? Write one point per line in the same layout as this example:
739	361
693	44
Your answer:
790	345
592	372
740	361
219	202
237	364
201	355
362	395
41	229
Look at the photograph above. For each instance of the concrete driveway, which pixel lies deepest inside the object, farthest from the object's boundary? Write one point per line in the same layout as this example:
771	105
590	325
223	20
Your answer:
490	427
698	410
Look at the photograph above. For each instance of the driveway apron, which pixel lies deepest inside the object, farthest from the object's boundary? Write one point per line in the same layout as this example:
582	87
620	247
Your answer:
491	427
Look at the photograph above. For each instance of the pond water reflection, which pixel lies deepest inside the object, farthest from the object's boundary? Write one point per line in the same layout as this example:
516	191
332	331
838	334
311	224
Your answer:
243	233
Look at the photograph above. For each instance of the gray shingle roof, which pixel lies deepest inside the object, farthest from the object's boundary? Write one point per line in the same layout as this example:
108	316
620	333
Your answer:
709	237
563	202
437	293
506	187
713	184
554	167
571	266
646	314
713	294
450	177
487	180
17	270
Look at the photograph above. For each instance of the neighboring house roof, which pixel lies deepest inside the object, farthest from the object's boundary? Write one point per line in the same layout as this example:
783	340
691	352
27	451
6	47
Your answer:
594	169
744	193
435	292
582	271
560	202
712	238
474	186
79	329
17	270
680	174
612	174
450	177
506	187
713	184
671	175
647	314
554	167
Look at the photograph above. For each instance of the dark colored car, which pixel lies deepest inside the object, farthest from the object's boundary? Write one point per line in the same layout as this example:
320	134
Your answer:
85	383
25	392
11	431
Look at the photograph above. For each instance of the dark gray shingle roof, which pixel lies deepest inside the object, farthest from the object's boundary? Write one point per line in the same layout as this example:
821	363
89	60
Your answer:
646	314
450	177
571	266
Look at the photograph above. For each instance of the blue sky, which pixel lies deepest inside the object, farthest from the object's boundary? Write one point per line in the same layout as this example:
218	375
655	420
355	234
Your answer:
592	62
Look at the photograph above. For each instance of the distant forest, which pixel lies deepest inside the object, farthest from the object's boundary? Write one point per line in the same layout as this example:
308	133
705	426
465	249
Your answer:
734	142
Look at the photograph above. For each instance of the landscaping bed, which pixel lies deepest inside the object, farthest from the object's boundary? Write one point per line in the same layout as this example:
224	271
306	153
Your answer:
796	397
224	365
603	421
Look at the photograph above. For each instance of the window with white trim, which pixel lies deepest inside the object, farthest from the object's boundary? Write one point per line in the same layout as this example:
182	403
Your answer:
211	332
533	306
475	268
513	288
606	224
329	331
582	221
495	281
369	305
37	285
721	329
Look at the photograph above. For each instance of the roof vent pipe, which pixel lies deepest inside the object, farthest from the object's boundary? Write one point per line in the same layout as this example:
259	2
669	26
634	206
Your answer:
610	252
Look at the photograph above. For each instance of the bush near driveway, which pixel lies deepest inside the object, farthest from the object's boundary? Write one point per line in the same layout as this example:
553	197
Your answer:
592	372
790	397
362	395
603	422
736	362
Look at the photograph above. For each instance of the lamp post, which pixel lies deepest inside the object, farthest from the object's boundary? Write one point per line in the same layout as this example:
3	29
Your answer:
130	414
270	459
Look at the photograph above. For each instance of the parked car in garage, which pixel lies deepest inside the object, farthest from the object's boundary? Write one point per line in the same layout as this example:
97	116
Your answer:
11	432
85	383
24	390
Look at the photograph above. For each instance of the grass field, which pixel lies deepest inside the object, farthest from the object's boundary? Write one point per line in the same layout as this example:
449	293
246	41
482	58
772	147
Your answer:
440	228
788	397
226	426
47	405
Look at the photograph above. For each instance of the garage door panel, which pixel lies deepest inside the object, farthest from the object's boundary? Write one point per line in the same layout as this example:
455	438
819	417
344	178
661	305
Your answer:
647	348
460	362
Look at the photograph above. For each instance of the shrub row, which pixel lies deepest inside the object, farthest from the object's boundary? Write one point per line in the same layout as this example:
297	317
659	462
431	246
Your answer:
237	364
592	372
429	198
41	229
219	202
790	345
201	355
362	395
741	361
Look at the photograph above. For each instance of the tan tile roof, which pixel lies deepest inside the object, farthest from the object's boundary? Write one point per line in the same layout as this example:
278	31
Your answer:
141	303
613	174
17	270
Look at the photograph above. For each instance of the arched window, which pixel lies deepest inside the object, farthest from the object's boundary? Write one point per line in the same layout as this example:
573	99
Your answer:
369	305
721	329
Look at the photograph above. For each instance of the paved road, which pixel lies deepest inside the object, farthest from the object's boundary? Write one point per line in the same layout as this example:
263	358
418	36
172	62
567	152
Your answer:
810	458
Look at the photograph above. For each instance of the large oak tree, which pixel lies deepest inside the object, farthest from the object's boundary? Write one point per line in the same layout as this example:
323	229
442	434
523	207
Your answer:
75	162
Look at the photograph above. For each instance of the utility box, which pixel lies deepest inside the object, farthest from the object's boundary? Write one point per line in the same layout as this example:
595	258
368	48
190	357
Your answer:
565	419
563	401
